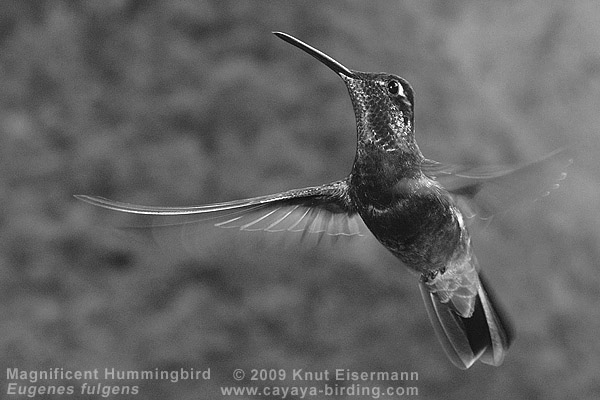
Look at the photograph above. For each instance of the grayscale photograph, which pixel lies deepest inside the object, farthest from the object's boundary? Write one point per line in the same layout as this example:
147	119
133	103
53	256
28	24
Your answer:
300	200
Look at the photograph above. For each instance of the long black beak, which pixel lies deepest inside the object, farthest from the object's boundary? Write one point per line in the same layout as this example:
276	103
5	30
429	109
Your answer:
319	55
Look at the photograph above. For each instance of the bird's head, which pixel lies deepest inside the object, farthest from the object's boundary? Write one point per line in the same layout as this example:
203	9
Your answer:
383	104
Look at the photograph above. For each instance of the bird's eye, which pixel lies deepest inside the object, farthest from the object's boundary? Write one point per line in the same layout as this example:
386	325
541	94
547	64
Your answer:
395	88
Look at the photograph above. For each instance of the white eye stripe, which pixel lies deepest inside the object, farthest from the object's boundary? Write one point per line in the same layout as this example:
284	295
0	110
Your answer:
401	91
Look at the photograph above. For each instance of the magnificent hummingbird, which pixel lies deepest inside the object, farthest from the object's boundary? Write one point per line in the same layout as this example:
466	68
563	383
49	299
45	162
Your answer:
414	206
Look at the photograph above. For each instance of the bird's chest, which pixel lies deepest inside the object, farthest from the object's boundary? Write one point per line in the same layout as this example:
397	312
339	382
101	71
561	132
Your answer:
414	219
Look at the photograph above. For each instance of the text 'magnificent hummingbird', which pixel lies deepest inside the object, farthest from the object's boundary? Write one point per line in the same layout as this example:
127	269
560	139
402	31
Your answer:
403	200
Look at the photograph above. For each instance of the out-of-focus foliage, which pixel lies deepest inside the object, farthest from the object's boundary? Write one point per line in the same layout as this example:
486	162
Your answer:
189	102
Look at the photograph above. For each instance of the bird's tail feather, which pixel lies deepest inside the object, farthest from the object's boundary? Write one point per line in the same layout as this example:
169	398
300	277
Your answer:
486	335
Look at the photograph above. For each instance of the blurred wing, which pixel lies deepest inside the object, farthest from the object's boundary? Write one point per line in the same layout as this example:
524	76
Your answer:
495	189
323	209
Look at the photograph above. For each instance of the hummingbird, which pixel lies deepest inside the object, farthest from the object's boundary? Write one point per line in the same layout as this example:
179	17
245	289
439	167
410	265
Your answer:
415	207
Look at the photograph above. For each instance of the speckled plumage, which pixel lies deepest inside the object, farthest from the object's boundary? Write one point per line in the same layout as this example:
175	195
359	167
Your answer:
395	190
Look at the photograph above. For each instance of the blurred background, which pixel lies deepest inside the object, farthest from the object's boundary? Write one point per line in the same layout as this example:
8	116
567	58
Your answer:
190	102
